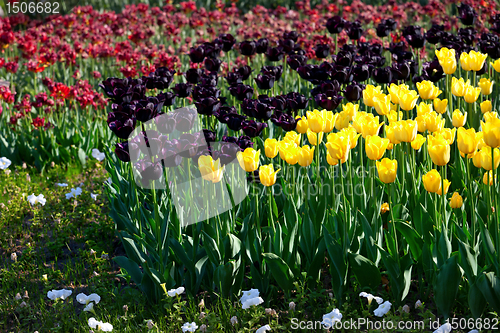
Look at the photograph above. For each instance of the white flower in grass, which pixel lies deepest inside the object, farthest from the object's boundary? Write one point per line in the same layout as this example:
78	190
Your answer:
93	196
291	305
34	199
99	325
98	155
370	298
189	327
331	318
4	163
62	294
406	308
263	329
74	193
248	294
62	184
13	256
234	320
175	292
252	302
446	328
89	307
84	299
382	309
418	304
150	324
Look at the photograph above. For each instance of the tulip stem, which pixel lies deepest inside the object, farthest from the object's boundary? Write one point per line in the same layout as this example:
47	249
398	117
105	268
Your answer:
443	196
472	203
494	208
270	191
393	221
450	96
317	158
343	193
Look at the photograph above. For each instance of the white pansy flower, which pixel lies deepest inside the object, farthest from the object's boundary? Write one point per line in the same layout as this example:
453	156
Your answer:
370	298
89	307
189	327
252	293
99	325
382	309
98	155
84	299
331	318
406	308
93	196
62	294
13	256
291	305
4	163
74	193
62	184
175	292
234	320
252	302
263	329
34	199
446	328
418	304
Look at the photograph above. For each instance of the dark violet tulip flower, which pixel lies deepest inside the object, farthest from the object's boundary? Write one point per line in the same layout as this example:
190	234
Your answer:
296	60
400	71
278	102
234	121
412	30
227	41
354	30
275	71
253	128
211	50
209	135
244	142
468	35
201	91
147	109
241	91
193	75
122	128
165	123
233	78
227	152
264	82
382	75
467	14
248	48
207	106
284	120
227	138
122	151
149	142
262	45
490	47
432	70
149	171
184	119
168	98
495	25
197	54
296	101
213	64
343	58
322	51
188	145
209	79
383	30
263	111
124	90
183	89
169	155
362	72
335	24
327	66
244	72
330	86
274	54
342	74
416	41
287	45
328	101
353	92
434	34
293	35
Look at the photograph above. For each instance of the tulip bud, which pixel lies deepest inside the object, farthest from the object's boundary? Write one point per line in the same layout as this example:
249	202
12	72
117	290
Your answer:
267	175
486	86
491	132
387	170
456	200
447	60
458	118
271	147
375	147
496	65
486	106
471	94
440	105
249	159
302	125
488	178
418	142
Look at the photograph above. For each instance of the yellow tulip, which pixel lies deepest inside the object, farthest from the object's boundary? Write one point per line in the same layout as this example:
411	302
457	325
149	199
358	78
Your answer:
283	146
351	110
352	134
329	118
476	60
447	133
486	106
447	60
302	125
432	181
313	137
267	175
394	90
292	136
306	155
369	93
393	116
434	122
249	159
480	140
338	146
491	132
440	105
408	99
271	147
439	150
291	154
418	142
370	126
382	104
488	178
331	160
384	208
406	130
427	90
390	133
464	61
315	121
360	119
458	118
471	94
486	158
476	158
486	86
375	147
458	86
488	116
210	170
456	200
424	108
342	120
387	170
466	140
496	65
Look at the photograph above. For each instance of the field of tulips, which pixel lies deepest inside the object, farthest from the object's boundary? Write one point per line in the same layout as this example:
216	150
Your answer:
343	149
